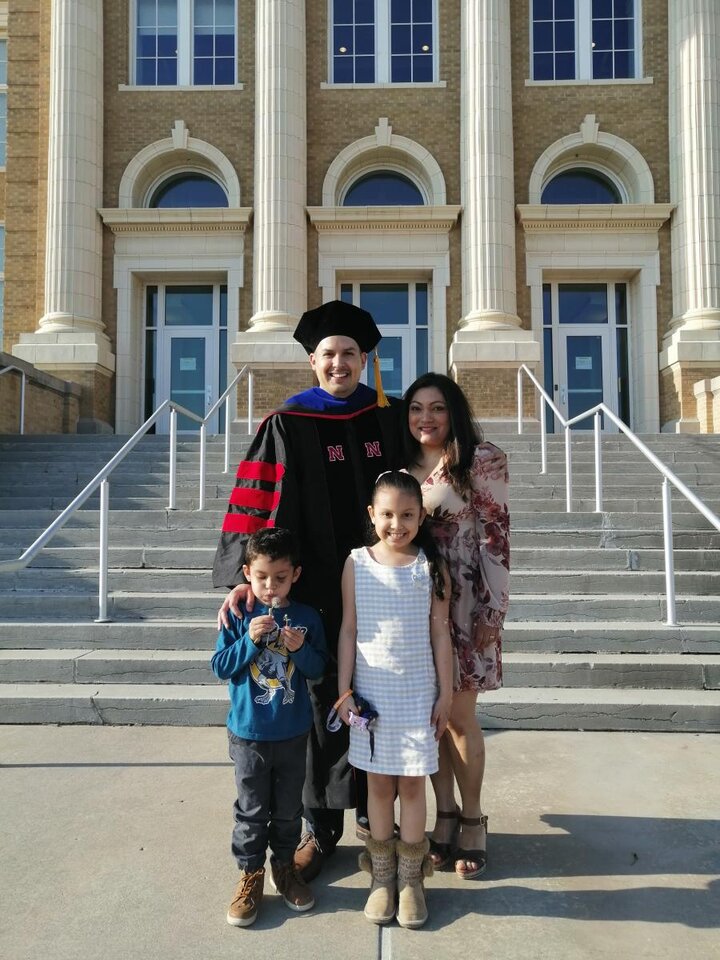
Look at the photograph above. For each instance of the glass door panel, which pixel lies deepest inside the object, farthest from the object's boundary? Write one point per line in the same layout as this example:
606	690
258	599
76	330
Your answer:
188	378
393	351
585	374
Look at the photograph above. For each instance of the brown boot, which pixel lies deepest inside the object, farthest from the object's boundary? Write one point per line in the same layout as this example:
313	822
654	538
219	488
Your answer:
414	864
246	900
379	860
291	886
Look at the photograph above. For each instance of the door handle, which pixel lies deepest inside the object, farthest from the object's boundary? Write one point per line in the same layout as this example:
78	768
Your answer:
208	398
563	394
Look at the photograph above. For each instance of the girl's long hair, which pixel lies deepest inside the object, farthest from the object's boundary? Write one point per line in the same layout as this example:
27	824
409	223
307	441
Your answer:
464	434
406	483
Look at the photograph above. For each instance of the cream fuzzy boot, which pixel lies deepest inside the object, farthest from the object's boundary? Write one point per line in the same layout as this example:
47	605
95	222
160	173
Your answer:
378	859
414	864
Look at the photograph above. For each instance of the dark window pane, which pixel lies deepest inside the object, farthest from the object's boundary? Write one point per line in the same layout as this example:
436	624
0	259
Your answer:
422	38
565	66
342	11
400	39
346	292
564	9
365	70
222	377
422	68
383	189
542	37
151	302
224	71
421	304
602	66
623	34
203	45
167	45
224	45
548	374
364	40
203	72
167	73
624	8
543	66
547	304
343	37
620	303
147	45
400	11
401	69
580	186
422	11
624	64
364	11
188	306
582	303
421	351
223	306
602	35
150	336
602	8
389	303
623	378
145	74
565	35
343	70
543	10
189	190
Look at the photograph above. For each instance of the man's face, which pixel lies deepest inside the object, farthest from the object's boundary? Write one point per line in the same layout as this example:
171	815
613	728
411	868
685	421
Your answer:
338	364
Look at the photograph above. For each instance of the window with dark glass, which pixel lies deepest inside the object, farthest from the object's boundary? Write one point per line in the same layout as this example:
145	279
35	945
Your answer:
383	189
584	39
189	190
383	41
580	186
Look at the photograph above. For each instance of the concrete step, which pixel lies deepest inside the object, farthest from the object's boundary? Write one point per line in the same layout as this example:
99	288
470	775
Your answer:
626	607
509	708
669	671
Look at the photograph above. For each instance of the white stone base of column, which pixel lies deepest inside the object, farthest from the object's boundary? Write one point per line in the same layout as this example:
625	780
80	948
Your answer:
267	349
691	345
685	425
68	350
505	347
272	320
481	320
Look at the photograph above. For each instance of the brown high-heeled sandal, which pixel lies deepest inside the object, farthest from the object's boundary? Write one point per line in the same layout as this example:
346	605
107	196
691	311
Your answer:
442	853
476	856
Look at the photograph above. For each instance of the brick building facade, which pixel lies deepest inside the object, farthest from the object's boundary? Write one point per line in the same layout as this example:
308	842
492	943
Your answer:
501	183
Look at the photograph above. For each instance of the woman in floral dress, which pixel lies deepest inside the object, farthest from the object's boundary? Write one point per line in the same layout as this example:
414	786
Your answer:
465	494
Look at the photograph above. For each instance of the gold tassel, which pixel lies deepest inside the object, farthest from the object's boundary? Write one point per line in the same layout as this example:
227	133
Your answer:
382	400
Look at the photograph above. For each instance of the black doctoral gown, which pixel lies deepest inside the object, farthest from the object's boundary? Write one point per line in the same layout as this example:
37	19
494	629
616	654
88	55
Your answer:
310	469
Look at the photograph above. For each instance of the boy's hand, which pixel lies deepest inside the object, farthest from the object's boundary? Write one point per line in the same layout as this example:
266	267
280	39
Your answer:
345	708
292	638
259	626
241	592
441	715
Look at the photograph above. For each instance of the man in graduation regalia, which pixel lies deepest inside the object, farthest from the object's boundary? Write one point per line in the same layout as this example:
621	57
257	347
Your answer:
311	468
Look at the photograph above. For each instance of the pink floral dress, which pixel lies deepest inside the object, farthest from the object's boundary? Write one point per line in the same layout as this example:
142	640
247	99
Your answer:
473	535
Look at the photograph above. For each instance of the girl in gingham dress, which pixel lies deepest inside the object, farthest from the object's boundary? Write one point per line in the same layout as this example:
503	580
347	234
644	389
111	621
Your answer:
394	652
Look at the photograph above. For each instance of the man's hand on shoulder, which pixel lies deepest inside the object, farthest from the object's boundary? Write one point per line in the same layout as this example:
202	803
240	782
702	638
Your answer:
240	593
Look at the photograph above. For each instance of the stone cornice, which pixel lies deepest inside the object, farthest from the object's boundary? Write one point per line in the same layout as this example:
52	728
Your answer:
177	220
648	217
437	218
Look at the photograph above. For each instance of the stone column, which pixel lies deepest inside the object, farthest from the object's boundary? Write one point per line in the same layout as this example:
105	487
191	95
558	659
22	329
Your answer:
691	347
279	219
490	334
70	335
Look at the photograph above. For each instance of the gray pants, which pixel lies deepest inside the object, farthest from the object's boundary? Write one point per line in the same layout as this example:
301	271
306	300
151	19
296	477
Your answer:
268	811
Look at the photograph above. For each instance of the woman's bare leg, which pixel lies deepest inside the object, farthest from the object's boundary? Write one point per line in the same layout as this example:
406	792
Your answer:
467	752
443	784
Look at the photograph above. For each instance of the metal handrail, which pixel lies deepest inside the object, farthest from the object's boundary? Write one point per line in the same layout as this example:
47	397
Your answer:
597	412
101	480
23	381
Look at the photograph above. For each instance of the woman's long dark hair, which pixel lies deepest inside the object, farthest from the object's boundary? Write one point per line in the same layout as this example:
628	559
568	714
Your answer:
406	483
464	433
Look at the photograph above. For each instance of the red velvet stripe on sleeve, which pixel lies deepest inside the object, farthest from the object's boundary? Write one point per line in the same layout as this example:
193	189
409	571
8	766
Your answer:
257	499
260	470
242	523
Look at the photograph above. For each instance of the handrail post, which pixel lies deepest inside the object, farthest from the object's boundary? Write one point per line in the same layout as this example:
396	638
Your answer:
103	561
250	399
22	402
543	436
226	467
568	472
668	546
598	465
201	499
173	458
519	401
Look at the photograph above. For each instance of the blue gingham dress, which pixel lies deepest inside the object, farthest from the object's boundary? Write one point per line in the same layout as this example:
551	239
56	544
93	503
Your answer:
394	666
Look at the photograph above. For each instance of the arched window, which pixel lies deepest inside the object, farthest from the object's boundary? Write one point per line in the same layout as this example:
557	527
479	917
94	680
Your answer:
189	190
580	186
383	189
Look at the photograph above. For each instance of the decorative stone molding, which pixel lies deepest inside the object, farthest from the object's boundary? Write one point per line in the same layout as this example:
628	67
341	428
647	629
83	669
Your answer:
629	217
326	219
602	151
181	220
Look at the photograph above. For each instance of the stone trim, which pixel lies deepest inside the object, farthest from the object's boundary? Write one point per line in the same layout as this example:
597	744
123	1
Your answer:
434	218
622	216
176	220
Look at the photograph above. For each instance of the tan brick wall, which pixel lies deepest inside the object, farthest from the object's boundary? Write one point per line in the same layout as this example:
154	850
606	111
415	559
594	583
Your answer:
677	390
493	393
271	388
51	405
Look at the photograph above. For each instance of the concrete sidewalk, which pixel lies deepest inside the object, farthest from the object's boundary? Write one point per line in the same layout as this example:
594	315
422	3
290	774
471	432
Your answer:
115	844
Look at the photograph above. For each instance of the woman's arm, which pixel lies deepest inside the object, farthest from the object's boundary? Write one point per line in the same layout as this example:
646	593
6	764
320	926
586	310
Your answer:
442	655
489	501
347	640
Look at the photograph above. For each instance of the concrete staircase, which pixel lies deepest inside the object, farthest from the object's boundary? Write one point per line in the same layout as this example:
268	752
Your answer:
585	644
